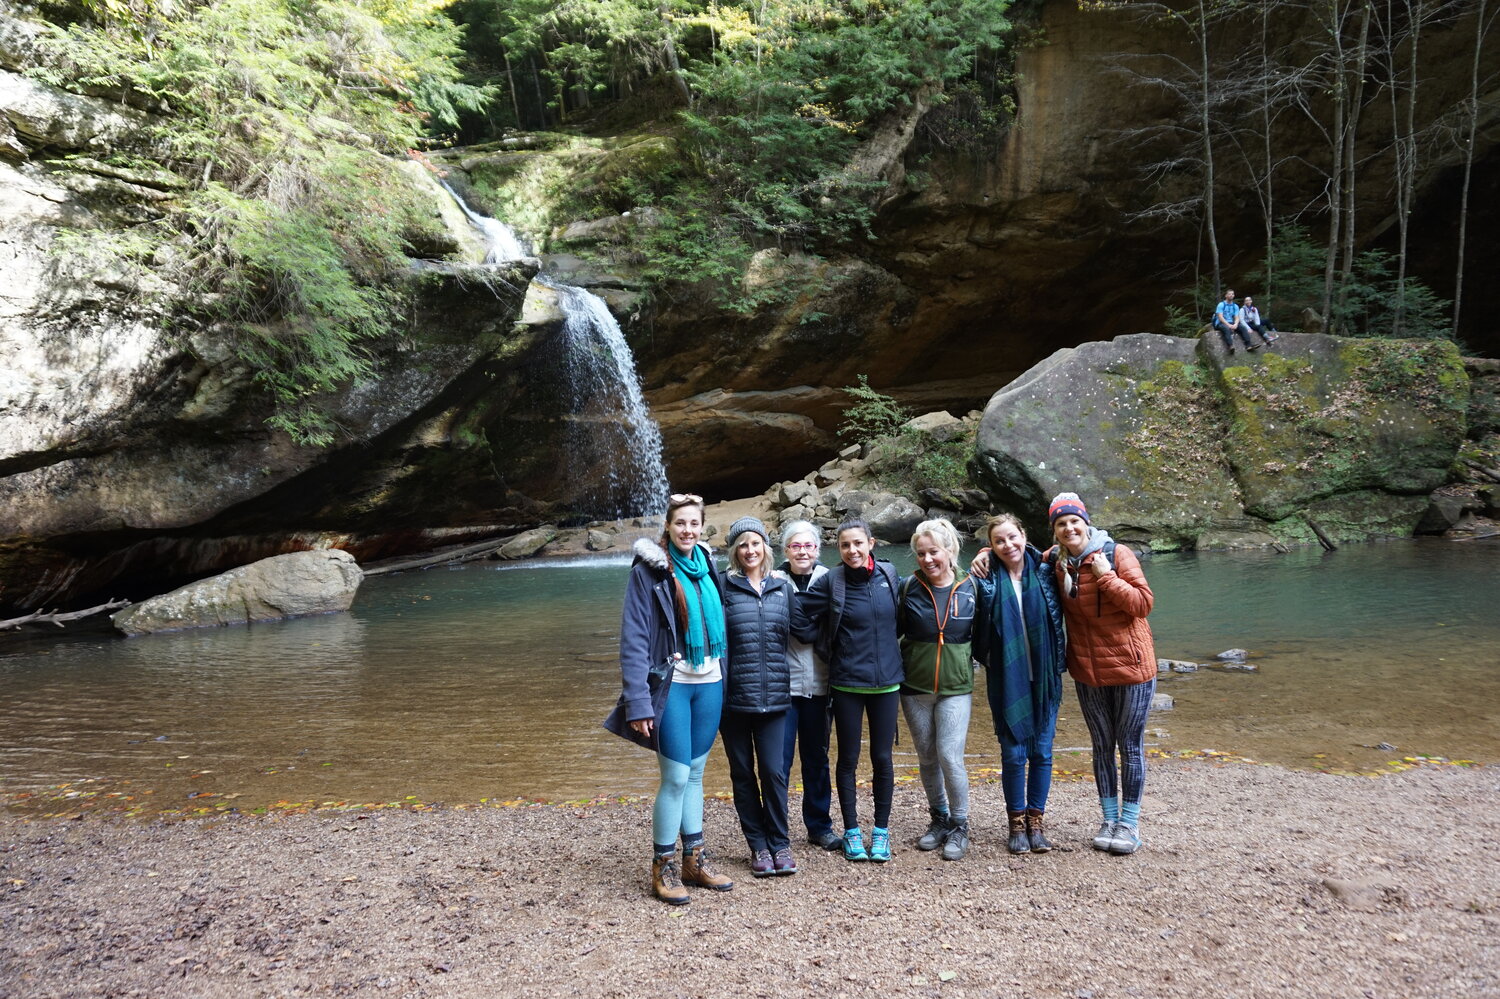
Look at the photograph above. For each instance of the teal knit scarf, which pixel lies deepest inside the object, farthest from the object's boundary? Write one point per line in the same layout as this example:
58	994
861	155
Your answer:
705	609
1024	643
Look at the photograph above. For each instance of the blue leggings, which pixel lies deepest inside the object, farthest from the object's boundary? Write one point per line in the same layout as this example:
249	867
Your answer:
1116	717
689	724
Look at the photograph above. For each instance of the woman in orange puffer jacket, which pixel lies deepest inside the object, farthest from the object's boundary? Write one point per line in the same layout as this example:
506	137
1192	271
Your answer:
1105	600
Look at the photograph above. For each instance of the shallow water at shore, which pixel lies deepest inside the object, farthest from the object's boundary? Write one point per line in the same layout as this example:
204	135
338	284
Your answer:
486	682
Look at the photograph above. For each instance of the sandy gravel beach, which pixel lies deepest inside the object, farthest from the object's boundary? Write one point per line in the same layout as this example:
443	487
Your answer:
1255	881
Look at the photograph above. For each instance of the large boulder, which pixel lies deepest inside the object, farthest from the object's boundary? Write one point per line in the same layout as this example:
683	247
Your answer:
1172	447
294	585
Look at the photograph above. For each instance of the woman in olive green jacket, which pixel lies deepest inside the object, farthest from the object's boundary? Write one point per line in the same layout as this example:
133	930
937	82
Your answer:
937	615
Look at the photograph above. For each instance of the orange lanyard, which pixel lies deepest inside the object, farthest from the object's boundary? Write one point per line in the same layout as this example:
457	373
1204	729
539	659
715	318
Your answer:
937	666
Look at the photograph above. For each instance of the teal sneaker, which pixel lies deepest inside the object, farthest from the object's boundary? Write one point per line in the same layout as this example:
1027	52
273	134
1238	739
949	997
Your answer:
880	845
854	845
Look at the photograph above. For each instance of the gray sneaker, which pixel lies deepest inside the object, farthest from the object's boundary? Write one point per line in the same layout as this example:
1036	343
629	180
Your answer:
1105	836
937	832
1125	840
956	846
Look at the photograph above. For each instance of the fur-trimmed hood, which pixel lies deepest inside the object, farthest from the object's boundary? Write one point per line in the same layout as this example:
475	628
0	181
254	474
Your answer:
650	551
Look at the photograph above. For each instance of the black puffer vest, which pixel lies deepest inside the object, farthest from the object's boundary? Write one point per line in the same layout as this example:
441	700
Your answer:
758	674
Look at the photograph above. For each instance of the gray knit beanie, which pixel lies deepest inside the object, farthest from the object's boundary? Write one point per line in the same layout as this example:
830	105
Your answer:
748	524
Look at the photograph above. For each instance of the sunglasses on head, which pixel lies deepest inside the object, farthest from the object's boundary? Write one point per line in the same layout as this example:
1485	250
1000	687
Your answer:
676	498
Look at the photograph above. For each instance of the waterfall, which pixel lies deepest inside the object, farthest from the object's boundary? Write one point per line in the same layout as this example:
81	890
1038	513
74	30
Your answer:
502	242
613	429
613	438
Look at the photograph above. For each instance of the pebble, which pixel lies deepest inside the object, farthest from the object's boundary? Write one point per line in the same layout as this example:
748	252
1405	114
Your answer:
1161	702
1238	655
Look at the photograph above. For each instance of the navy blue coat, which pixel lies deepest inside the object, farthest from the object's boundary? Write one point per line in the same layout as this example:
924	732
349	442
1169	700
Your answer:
649	636
818	617
759	675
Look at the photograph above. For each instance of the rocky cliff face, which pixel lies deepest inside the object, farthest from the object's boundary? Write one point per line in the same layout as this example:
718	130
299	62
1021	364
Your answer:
131	448
990	253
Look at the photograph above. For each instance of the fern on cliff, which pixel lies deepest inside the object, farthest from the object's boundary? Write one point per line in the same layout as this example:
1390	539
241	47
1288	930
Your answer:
284	117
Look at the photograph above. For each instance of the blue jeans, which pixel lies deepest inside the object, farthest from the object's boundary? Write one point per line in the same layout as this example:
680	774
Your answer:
1026	767
809	721
689	723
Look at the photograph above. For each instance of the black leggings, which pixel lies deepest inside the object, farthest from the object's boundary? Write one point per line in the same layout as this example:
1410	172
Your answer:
848	712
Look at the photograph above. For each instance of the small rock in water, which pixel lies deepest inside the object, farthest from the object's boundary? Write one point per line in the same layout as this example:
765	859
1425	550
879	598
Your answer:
1385	747
1237	655
1239	667
1161	702
1184	667
1175	665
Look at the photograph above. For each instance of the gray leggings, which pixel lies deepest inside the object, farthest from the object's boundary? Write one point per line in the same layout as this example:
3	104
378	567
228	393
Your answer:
939	727
1116	717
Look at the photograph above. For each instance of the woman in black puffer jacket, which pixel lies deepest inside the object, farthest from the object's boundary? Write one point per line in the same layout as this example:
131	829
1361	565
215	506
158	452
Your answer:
757	694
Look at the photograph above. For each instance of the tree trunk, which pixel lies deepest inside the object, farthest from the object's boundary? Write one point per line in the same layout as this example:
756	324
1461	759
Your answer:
1463	199
1208	152
1351	153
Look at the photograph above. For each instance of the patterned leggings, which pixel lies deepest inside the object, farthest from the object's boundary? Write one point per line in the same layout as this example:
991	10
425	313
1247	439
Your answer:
1116	717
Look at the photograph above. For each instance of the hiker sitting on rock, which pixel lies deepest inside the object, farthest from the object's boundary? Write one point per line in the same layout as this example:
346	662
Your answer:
1227	322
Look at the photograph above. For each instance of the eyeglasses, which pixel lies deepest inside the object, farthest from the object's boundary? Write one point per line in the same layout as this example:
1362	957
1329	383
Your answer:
802	547
676	498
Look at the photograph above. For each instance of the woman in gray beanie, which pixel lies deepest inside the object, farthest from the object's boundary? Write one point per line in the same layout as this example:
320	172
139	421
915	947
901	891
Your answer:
757	694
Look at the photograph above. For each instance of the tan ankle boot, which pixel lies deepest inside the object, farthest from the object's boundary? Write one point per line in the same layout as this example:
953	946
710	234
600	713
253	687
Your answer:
1039	841
666	882
695	871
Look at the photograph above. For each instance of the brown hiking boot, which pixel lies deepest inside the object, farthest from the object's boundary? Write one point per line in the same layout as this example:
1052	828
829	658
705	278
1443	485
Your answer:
1019	841
1039	841
695	871
666	882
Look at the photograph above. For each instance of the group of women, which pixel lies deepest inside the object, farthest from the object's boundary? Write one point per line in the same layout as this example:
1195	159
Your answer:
769	656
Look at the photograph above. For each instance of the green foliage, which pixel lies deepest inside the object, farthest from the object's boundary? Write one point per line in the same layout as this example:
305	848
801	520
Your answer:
1366	306
779	95
291	226
872	415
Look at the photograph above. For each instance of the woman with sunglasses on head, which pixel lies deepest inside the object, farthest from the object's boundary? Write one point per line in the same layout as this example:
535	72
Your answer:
1111	655
1020	641
672	635
757	696
850	617
808	722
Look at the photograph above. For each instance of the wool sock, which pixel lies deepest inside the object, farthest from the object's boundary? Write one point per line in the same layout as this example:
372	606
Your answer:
691	841
1130	813
1111	808
657	850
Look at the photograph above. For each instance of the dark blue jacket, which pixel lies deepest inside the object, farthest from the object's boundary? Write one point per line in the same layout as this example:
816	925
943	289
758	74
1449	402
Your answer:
648	627
758	677
863	652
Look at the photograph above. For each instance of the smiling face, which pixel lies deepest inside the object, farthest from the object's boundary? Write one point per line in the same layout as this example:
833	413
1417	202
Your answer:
855	547
935	561
684	524
1009	544
750	553
1072	532
802	553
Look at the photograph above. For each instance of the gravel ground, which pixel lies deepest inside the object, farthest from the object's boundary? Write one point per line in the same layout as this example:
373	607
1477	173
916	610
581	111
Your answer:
1254	881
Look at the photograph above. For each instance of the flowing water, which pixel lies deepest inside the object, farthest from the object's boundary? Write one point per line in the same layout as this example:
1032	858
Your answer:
489	682
612	432
612	428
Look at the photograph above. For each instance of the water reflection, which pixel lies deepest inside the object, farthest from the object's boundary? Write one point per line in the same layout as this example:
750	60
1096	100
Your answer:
490	682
